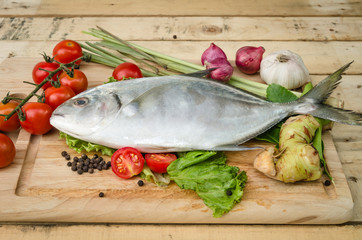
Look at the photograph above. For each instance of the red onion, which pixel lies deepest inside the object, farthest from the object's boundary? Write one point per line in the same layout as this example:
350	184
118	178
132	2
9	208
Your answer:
248	59
212	53
224	69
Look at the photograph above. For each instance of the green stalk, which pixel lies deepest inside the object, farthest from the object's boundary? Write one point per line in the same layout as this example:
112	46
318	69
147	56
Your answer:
38	86
138	52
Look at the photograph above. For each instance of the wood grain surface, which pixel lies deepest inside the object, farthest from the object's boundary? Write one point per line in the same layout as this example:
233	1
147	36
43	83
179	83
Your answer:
326	33
40	187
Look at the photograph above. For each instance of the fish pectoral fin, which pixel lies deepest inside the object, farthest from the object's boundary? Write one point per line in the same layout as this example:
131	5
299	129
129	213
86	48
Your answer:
233	147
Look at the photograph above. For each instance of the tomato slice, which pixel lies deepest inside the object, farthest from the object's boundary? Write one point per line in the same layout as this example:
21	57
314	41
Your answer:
127	162
158	162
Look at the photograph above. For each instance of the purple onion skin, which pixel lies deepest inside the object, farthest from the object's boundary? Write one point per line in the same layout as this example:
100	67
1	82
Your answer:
212	53
248	59
224	69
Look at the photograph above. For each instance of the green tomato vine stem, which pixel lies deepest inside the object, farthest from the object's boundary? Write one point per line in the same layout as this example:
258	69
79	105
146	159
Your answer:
62	66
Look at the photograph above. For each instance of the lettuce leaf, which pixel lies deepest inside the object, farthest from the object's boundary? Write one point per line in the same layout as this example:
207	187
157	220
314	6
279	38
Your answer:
160	179
80	145
220	186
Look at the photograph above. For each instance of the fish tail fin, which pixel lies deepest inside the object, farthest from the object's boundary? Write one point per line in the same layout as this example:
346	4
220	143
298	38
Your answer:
312	102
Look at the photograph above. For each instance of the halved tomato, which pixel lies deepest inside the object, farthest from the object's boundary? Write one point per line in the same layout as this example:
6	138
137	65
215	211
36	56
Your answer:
127	162
158	162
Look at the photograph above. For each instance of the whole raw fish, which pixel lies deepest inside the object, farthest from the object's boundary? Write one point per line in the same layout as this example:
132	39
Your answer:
181	113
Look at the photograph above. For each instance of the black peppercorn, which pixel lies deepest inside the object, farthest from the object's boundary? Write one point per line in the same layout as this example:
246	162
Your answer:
101	194
95	156
69	164
64	153
67	157
140	183
76	159
109	164
74	168
80	171
84	156
99	167
91	170
229	193
327	183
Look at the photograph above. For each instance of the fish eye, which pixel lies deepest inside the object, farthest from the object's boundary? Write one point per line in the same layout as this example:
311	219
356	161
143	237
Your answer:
81	101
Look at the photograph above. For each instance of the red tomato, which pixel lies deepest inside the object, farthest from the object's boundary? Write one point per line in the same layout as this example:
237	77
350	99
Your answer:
78	82
40	75
126	70
67	51
158	162
37	118
7	151
127	162
12	123
56	96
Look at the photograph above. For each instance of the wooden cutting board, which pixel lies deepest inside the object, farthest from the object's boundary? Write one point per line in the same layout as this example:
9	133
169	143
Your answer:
39	187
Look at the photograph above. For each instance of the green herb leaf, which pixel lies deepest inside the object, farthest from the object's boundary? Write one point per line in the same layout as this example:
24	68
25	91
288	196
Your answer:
272	135
277	93
220	186
80	145
307	88
319	146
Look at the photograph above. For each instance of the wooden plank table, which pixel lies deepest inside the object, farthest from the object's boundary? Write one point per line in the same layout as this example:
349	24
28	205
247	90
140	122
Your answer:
327	34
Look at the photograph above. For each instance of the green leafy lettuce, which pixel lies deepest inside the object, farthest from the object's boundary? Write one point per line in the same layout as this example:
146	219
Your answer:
220	186
80	145
160	179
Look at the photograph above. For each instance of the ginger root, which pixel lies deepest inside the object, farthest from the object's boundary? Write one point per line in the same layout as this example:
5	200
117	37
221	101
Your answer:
296	160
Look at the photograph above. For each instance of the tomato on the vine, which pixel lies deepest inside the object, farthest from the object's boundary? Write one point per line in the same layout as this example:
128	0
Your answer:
37	118
67	51
12	123
78	82
39	75
55	96
158	162
7	151
127	162
126	70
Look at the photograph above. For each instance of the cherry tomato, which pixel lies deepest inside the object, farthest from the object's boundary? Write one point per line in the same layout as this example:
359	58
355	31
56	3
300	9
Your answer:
126	70
67	51
7	151
78	82
12	123
127	162
40	75
158	162
55	96
37	118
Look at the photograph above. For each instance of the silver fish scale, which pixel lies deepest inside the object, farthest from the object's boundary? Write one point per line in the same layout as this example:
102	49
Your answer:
178	113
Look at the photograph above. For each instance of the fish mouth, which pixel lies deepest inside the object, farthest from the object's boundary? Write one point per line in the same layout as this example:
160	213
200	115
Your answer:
57	114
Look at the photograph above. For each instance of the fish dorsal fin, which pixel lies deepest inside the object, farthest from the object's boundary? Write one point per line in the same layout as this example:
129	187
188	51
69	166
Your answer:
199	74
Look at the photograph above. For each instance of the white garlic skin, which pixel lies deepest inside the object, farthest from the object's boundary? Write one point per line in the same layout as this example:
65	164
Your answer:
284	68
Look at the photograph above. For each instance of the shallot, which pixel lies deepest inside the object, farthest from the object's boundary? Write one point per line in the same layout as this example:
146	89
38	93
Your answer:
248	59
212	53
223	71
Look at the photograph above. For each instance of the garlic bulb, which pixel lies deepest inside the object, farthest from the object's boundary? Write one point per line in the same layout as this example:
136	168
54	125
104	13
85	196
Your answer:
284	68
